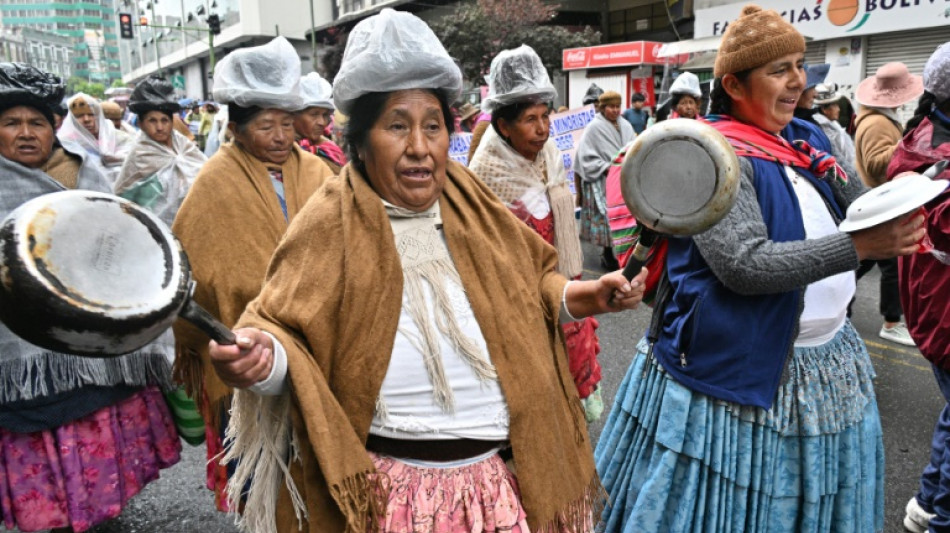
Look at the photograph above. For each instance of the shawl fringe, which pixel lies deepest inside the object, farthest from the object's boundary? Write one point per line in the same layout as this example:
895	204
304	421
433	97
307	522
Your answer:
48	372
258	440
581	514
362	499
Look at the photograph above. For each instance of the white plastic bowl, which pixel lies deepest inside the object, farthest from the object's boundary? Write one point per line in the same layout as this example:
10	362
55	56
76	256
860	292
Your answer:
891	200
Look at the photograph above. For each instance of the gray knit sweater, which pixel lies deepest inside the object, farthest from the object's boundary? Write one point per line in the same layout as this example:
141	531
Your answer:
739	252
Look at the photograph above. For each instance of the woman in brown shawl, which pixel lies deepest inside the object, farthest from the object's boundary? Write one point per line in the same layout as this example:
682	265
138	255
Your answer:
242	200
412	340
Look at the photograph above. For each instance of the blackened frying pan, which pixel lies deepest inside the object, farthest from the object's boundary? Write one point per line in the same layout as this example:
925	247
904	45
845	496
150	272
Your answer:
89	273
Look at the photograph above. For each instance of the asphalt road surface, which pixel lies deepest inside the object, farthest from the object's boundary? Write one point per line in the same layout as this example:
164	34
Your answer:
907	395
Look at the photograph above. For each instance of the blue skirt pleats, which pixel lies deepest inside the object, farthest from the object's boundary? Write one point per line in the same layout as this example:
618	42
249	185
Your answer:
673	460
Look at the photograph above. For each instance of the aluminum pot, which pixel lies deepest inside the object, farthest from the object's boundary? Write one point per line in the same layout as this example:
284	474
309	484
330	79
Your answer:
679	177
93	274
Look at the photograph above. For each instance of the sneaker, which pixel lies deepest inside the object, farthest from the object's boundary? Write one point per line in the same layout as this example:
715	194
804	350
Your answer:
916	520
898	334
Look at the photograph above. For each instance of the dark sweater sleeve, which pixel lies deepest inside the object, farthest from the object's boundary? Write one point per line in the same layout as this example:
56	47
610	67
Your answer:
739	252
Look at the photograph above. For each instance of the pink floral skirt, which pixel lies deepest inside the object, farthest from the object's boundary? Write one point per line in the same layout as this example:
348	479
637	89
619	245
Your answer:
480	497
84	472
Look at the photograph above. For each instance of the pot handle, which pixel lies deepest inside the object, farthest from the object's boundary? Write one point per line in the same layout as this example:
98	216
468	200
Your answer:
638	259
219	333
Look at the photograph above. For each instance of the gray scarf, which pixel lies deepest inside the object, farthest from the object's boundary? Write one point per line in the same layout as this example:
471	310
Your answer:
596	150
28	371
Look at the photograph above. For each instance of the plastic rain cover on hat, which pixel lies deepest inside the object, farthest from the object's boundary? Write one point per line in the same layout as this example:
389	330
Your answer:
154	93
265	76
393	51
686	83
516	76
937	73
316	91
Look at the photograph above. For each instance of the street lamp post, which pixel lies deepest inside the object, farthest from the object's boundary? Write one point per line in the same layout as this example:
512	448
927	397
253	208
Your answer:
313	40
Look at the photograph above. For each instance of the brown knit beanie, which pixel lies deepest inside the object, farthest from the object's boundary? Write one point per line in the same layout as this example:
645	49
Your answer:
755	38
609	98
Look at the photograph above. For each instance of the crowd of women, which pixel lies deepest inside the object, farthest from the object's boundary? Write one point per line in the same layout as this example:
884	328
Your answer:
416	348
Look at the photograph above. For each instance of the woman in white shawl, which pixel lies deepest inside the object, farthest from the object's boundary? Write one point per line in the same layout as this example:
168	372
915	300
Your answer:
162	163
88	127
603	138
521	164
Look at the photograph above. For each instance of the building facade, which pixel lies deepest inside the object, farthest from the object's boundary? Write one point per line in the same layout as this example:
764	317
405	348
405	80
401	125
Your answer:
90	26
175	43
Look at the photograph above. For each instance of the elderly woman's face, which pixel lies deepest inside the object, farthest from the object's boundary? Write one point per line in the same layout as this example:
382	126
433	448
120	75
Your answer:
529	131
269	136
311	123
611	112
89	121
687	107
407	149
768	96
26	137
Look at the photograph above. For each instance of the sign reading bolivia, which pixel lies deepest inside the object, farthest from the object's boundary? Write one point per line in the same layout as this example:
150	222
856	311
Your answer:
830	19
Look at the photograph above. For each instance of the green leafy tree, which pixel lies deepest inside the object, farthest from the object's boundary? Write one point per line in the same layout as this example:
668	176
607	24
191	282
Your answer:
480	29
117	84
79	85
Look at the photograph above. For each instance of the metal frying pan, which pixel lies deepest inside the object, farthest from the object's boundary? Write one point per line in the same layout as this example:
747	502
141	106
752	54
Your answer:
88	273
679	177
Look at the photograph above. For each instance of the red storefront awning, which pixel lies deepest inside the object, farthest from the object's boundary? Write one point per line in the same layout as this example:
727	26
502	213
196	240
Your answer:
615	55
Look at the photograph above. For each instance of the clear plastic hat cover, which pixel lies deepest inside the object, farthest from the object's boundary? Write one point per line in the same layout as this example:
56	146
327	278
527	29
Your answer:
686	83
316	91
392	51
515	76
266	76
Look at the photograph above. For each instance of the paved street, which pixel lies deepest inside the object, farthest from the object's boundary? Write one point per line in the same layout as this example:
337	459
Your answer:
908	398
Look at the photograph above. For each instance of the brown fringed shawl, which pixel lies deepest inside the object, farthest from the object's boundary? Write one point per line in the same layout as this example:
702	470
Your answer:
333	296
230	224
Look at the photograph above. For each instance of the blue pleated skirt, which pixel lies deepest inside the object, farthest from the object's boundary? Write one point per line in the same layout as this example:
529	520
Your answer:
673	460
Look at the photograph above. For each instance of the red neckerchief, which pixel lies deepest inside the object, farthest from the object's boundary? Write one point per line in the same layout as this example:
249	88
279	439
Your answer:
750	141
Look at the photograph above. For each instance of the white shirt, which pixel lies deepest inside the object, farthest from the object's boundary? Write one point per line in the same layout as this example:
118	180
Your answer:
826	300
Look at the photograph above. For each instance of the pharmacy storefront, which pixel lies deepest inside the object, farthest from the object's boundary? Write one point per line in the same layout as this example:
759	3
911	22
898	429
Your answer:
854	36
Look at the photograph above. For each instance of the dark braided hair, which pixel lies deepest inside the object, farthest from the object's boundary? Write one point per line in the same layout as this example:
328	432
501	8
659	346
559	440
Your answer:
925	106
720	103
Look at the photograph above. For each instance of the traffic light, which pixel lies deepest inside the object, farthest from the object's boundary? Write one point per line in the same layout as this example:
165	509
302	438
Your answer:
214	24
125	25
143	21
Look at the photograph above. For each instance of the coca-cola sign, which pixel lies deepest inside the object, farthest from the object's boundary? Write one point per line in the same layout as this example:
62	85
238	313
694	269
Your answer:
611	55
575	58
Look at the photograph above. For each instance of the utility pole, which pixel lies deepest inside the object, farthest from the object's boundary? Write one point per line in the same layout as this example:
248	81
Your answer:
313	40
158	61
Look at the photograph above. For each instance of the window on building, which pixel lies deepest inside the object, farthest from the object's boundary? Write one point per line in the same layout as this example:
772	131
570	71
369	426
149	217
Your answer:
626	24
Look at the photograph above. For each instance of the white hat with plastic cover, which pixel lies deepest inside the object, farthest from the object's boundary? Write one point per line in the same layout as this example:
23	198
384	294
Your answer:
517	75
393	51
266	76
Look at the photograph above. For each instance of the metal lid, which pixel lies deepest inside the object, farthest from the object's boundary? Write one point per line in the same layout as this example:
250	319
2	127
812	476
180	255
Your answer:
680	177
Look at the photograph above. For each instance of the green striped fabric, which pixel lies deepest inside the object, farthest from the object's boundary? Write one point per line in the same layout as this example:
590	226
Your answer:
191	427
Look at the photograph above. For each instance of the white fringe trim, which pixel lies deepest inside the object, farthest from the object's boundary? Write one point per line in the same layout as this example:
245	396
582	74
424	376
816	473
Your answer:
261	440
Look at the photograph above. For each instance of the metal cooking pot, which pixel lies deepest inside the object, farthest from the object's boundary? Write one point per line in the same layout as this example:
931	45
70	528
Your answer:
679	177
93	274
